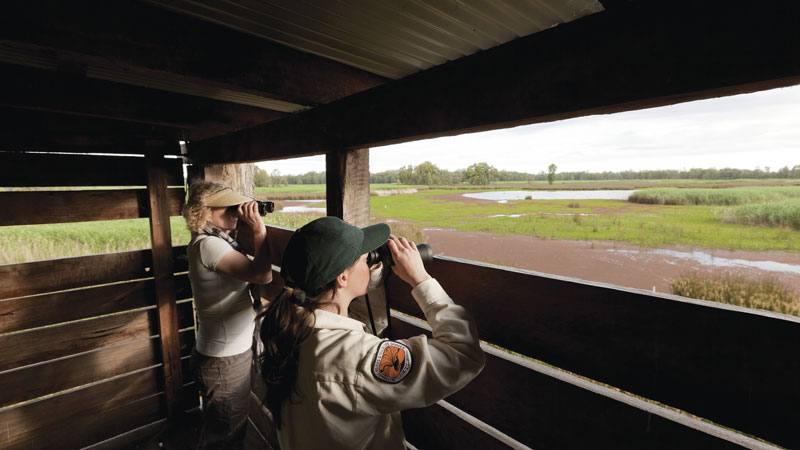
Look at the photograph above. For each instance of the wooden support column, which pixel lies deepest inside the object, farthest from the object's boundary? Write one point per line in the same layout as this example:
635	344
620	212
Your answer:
238	176
347	185
162	270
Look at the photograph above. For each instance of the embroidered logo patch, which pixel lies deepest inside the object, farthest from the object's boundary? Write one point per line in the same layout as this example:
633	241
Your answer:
393	362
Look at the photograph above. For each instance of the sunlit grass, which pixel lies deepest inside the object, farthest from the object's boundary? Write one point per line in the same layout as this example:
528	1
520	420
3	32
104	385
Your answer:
38	242
784	213
728	196
768	294
593	220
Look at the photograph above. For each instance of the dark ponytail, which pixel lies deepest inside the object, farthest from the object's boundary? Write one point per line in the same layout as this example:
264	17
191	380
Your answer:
285	324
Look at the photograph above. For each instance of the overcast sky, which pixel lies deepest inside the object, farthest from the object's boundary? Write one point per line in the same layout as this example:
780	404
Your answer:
743	131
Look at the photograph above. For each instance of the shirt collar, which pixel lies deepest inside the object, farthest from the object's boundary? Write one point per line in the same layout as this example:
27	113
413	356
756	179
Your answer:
329	320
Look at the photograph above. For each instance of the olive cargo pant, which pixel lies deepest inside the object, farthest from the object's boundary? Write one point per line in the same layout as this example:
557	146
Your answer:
224	384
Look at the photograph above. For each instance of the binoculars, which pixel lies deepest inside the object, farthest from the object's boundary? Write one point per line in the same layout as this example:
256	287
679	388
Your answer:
384	255
265	207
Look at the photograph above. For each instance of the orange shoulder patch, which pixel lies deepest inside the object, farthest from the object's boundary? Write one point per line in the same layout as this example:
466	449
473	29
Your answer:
393	362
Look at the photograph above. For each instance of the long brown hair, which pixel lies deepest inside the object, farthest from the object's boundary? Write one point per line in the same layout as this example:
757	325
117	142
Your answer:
285	324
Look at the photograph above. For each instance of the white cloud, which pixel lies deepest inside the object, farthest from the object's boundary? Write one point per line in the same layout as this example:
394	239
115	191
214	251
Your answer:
743	131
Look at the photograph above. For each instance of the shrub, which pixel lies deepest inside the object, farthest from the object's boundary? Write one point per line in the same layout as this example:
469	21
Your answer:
766	294
724	196
573	205
775	214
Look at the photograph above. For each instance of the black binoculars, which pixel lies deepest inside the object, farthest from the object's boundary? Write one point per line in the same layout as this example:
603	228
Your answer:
265	207
384	255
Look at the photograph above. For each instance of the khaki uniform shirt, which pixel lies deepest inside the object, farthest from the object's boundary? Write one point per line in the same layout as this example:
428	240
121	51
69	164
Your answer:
352	385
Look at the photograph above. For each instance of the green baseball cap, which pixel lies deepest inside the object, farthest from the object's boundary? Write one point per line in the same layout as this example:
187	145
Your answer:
320	250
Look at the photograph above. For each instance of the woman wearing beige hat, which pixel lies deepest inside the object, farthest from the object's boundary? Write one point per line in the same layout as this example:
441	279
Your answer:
220	273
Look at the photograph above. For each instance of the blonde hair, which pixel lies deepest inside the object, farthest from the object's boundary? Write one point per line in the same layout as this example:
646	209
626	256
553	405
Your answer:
195	212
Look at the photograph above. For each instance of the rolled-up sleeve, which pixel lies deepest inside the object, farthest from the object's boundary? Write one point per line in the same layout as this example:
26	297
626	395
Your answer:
439	366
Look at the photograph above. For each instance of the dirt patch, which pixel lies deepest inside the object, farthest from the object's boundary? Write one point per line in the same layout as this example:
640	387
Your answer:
608	262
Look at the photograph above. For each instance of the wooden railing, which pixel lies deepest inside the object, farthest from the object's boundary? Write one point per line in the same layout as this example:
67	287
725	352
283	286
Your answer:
574	364
81	355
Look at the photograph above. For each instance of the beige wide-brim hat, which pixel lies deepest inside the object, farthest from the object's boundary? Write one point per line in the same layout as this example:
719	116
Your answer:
225	198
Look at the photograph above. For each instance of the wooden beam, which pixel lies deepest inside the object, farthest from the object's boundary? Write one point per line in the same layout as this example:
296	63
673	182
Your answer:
37	207
634	55
70	93
347	185
175	48
29	130
83	417
80	170
164	282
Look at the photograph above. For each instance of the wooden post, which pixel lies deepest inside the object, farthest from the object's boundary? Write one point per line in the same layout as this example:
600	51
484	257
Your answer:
238	176
347	185
164	281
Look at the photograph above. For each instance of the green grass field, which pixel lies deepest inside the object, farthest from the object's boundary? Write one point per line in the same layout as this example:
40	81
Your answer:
650	225
601	220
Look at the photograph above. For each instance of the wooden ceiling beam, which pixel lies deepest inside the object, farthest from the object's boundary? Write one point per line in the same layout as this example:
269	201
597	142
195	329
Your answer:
29	130
67	93
132	41
634	55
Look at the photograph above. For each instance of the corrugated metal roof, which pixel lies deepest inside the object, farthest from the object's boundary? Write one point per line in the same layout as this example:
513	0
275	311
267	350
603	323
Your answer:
391	38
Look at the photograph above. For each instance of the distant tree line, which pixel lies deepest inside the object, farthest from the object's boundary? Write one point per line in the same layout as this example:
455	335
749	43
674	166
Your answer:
483	173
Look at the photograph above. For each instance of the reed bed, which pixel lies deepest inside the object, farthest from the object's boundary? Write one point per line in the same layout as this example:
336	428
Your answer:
784	213
725	197
768	294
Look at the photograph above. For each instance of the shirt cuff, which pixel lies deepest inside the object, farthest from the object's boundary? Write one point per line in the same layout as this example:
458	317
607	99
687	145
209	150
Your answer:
429	292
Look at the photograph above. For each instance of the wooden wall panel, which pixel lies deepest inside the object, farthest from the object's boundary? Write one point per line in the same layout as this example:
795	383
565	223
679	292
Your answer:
47	309
436	428
543	412
38	207
68	273
84	416
21	349
737	368
80	170
60	374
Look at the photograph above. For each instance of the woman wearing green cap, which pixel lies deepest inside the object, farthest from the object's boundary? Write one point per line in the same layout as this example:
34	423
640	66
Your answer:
221	272
330	383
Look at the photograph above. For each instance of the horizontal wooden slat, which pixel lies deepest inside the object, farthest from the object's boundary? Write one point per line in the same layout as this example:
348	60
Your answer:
81	271
80	170
21	349
55	376
37	207
47	309
436	428
543	412
66	373
67	273
85	416
734	367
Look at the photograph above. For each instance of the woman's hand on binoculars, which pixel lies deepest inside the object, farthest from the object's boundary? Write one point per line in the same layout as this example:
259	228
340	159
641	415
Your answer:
249	213
407	262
